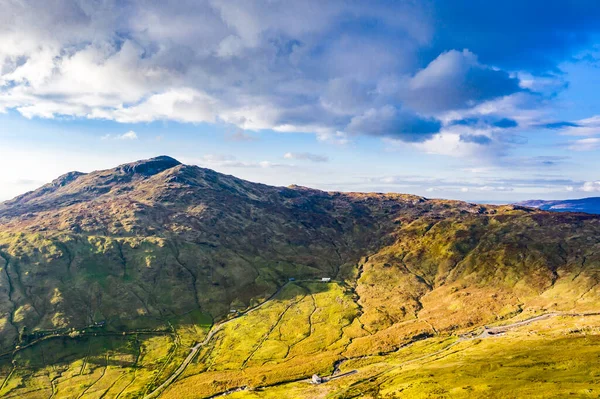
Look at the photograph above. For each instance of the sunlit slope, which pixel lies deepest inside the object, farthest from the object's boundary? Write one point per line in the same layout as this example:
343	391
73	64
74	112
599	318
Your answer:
99	362
455	273
548	359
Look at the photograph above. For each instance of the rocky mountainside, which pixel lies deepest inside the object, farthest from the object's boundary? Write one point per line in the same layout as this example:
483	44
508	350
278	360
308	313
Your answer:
587	205
139	247
156	238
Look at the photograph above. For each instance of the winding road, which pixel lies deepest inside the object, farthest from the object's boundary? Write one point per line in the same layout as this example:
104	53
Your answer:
215	329
487	332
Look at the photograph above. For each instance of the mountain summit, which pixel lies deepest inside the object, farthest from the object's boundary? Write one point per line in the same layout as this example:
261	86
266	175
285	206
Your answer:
149	167
76	186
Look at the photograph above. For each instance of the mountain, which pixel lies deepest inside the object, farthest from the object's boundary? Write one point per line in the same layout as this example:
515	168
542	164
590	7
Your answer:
109	278
587	205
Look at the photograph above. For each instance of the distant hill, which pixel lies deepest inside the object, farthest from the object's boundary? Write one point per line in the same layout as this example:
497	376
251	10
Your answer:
587	205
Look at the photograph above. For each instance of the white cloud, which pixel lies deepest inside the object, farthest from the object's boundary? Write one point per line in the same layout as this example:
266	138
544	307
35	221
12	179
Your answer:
284	66
591	186
449	143
584	127
340	138
306	156
588	144
493	188
130	135
221	161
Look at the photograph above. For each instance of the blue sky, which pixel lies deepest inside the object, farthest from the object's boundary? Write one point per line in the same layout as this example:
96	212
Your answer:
473	100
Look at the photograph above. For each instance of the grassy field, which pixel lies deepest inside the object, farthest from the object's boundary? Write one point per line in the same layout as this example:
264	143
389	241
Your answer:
100	365
549	359
314	328
304	330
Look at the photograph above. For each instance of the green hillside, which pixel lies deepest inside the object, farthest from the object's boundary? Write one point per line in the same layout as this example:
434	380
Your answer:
157	279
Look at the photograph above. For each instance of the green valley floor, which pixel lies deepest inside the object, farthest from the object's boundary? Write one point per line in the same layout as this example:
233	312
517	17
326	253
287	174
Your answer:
306	328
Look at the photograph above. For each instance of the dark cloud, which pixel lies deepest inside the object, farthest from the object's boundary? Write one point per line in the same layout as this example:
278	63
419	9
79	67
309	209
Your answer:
456	80
477	139
503	123
535	162
393	123
558	125
466	122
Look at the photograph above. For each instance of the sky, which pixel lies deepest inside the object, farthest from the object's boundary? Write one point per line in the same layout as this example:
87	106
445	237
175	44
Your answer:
474	100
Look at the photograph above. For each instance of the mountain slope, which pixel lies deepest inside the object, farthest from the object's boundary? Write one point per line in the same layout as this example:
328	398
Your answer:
165	250
119	244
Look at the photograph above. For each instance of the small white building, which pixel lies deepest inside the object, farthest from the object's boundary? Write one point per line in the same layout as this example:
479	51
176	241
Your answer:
326	279
316	379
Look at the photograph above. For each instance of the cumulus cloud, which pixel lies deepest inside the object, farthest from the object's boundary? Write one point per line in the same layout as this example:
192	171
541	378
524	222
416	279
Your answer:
591	186
306	66
588	144
279	66
398	124
583	127
558	125
238	135
307	156
456	80
476	138
346	96
130	135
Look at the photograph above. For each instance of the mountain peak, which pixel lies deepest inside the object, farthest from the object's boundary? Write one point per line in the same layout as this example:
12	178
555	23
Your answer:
151	166
65	179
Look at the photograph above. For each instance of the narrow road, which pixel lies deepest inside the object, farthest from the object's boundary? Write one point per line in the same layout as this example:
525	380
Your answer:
486	333
215	329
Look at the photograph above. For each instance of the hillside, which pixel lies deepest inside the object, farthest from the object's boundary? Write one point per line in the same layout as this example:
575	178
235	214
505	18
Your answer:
587	205
109	278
